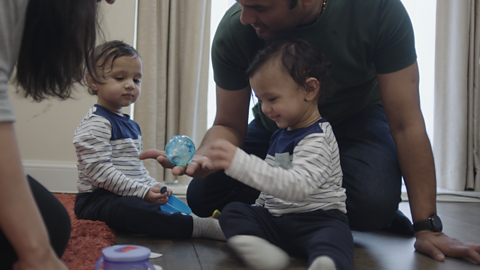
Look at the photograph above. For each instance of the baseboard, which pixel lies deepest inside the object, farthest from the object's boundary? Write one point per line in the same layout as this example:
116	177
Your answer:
61	177
58	177
445	195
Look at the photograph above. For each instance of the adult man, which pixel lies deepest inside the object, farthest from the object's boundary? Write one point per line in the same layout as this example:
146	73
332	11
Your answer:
371	48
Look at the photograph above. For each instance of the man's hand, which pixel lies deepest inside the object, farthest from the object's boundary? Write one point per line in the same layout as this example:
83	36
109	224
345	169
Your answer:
154	196
222	153
439	245
199	167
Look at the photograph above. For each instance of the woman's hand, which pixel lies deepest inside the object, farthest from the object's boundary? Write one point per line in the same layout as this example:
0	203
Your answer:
49	260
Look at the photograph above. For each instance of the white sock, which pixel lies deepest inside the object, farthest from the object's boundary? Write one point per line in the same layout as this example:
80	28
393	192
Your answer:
207	228
258	253
322	263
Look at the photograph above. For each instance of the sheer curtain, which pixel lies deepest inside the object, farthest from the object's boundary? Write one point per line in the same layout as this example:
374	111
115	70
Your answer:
173	40
457	102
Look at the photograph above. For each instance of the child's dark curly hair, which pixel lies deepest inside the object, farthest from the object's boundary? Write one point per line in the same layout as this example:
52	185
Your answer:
107	53
301	60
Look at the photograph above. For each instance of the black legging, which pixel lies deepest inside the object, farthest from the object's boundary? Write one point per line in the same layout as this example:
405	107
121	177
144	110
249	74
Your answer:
56	220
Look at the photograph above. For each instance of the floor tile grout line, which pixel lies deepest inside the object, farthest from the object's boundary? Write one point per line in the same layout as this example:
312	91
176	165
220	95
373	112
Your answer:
196	253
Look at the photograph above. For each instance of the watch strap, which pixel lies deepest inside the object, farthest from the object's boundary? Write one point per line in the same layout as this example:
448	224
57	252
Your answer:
433	223
422	225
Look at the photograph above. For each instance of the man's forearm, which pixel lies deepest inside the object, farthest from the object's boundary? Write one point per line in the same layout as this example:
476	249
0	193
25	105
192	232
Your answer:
416	162
400	98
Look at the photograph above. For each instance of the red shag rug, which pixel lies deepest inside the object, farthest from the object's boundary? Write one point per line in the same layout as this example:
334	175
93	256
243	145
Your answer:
87	238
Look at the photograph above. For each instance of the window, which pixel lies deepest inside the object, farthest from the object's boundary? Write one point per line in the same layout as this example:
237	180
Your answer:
218	9
423	16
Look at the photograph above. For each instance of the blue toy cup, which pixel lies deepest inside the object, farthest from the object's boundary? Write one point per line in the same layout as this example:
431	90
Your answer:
125	257
175	205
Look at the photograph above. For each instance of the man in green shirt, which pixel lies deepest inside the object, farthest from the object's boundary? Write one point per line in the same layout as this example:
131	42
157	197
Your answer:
370	45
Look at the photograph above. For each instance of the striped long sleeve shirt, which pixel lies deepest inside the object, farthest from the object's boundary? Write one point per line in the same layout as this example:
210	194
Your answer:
107	147
301	172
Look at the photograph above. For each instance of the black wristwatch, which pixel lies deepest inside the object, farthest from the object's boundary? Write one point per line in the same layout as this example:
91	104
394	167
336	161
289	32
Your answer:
433	223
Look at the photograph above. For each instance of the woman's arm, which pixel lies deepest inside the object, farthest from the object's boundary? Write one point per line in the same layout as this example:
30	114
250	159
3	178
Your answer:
20	219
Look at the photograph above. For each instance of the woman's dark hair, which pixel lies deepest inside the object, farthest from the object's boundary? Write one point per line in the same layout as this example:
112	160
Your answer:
107	53
301	60
58	37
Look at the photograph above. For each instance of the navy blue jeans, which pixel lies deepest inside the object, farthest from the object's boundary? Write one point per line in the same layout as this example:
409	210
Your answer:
127	214
369	162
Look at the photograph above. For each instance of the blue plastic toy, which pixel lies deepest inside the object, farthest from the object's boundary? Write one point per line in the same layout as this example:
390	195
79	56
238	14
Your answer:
180	150
175	205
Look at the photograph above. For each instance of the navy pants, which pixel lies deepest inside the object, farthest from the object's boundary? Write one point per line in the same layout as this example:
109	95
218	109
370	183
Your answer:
56	220
369	162
310	235
132	215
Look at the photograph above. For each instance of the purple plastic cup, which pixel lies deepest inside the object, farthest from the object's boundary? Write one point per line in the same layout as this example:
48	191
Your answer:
125	257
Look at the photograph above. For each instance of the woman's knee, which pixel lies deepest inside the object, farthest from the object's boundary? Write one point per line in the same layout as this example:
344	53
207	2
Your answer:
55	216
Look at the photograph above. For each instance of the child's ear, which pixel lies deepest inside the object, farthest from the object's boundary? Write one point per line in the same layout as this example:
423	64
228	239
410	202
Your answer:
91	82
312	87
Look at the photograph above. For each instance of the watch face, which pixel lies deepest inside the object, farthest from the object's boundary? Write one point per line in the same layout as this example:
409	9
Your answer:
436	223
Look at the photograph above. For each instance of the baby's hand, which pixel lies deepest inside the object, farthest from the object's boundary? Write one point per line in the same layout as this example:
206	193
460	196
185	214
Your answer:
221	154
154	194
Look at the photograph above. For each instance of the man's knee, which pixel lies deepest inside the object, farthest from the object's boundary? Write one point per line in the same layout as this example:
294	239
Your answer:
367	215
198	198
214	192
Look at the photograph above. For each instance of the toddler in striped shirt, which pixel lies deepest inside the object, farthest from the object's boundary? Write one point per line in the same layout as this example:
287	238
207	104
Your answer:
113	184
301	209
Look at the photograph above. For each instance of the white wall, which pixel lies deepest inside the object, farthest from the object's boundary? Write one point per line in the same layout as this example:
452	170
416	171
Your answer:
45	130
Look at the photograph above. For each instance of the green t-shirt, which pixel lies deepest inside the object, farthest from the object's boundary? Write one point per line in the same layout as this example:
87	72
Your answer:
359	38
